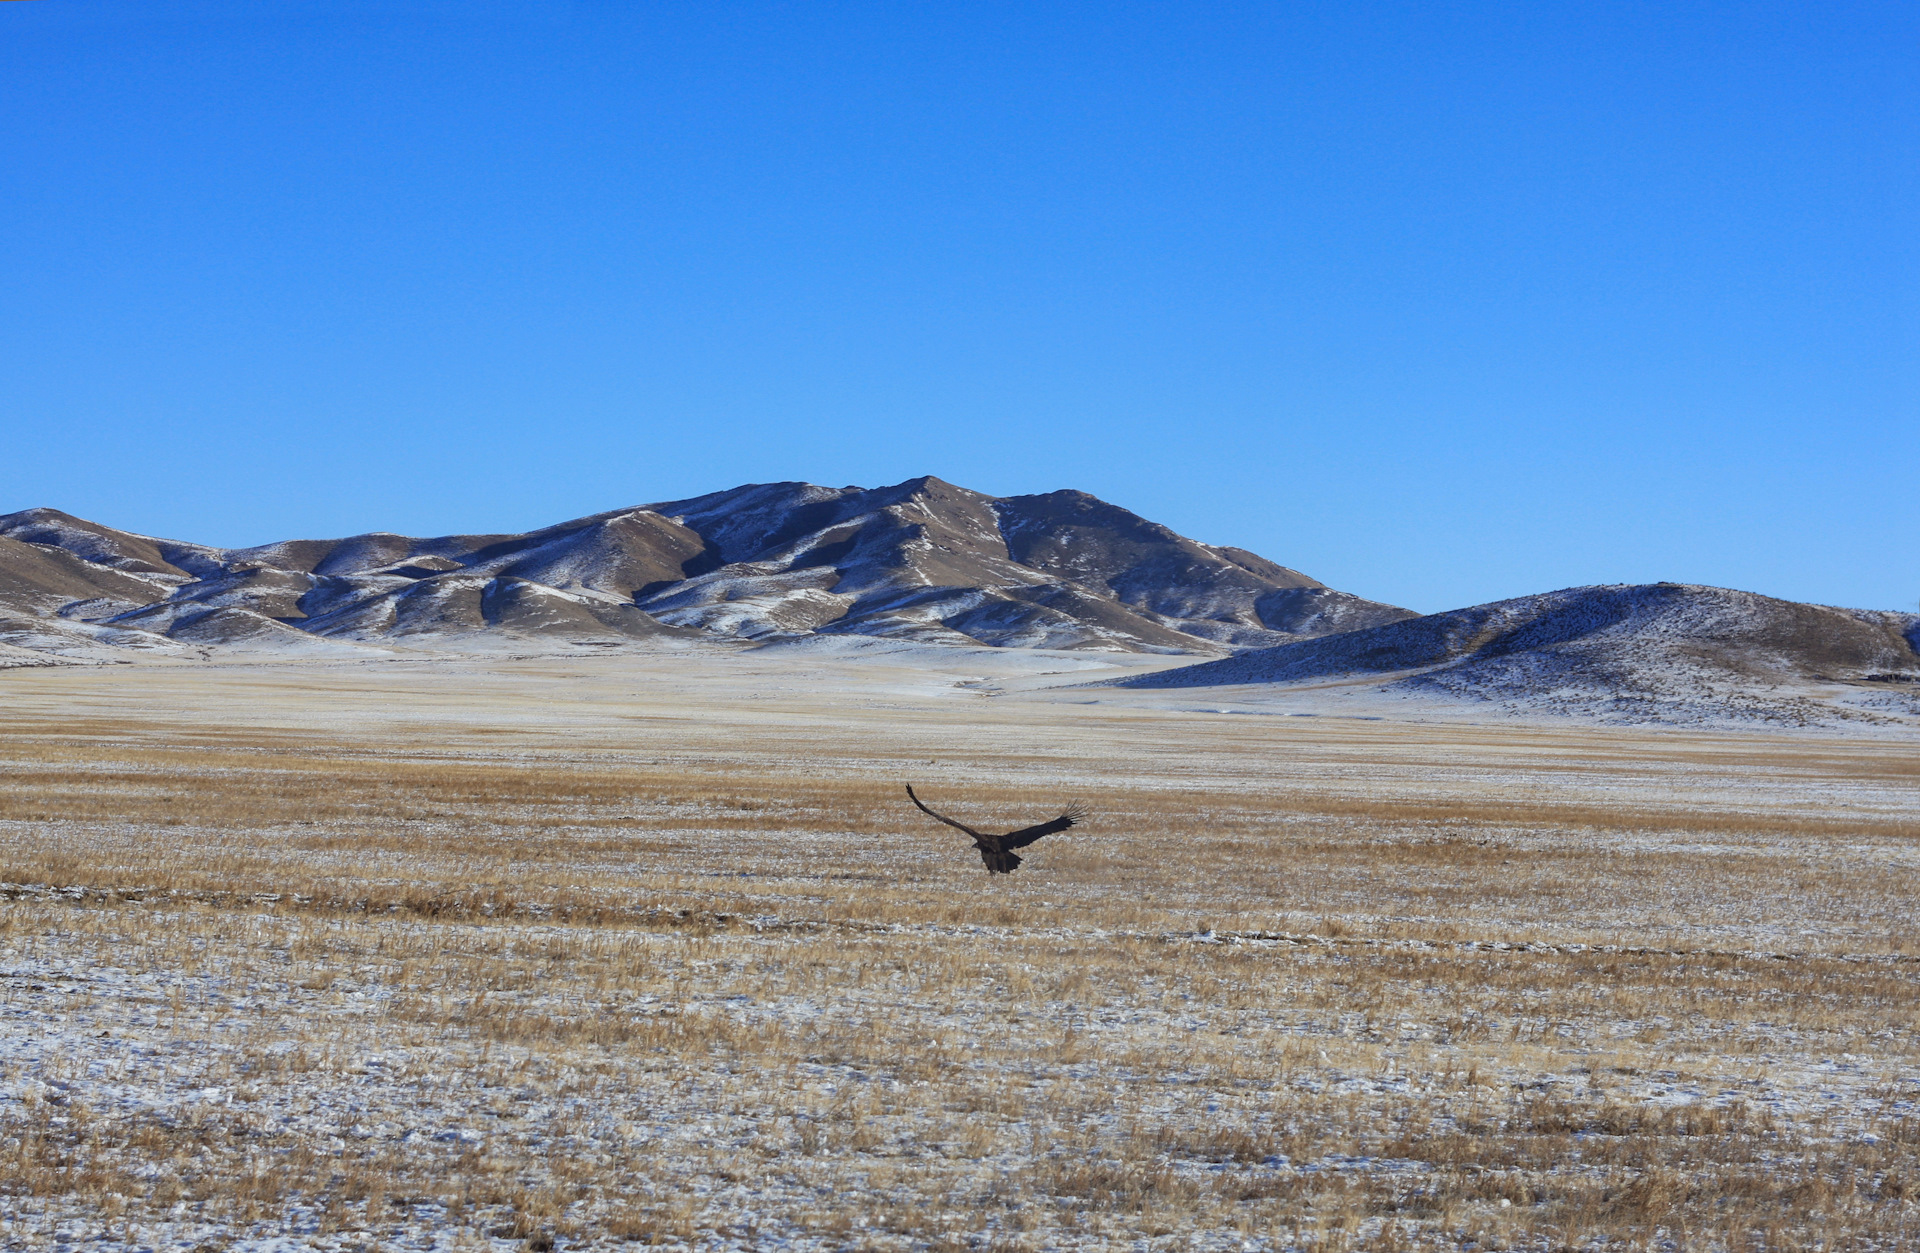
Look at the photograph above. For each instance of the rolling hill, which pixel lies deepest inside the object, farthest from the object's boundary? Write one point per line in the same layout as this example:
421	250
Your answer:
1663	653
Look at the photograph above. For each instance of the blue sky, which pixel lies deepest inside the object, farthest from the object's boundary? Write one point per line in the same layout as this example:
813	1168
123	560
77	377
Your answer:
1439	303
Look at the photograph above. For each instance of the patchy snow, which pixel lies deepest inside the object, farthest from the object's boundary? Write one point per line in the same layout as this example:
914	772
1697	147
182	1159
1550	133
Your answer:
1664	654
703	962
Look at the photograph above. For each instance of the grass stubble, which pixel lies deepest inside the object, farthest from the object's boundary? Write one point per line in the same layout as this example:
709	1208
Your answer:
712	983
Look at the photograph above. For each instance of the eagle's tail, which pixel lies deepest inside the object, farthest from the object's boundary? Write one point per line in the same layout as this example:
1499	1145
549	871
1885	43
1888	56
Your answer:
1000	863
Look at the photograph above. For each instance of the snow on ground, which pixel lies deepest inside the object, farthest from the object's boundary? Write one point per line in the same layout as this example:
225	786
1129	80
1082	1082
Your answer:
587	952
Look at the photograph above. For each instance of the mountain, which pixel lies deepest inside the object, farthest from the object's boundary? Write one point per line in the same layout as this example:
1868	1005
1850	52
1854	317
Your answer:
922	560
1667	653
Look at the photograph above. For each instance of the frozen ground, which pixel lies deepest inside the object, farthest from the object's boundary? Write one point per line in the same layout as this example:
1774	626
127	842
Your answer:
593	952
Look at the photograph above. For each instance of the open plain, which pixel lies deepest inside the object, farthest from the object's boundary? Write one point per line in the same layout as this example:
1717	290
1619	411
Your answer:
588	952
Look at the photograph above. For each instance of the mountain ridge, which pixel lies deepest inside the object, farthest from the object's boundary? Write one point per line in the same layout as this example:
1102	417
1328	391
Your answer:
924	560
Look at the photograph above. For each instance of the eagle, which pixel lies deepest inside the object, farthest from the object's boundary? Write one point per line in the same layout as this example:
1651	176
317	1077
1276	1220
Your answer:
997	850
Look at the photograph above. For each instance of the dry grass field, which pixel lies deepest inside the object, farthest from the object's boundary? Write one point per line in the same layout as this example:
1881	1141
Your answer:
624	951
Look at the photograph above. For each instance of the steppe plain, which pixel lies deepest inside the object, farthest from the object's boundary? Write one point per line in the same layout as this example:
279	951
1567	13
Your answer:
647	948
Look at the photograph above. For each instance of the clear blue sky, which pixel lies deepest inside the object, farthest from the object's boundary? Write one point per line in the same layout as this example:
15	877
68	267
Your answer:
1438	302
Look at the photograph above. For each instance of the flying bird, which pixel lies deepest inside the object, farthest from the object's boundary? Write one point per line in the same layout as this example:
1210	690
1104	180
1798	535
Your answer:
997	850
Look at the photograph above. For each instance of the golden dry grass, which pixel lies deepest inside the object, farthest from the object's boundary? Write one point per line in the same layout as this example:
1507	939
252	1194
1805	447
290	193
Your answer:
683	968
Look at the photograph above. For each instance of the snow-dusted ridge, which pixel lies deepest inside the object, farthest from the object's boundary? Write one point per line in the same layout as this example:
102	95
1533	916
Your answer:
923	560
1637	654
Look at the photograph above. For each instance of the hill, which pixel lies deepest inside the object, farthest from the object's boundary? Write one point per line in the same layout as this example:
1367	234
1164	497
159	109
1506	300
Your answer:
1637	654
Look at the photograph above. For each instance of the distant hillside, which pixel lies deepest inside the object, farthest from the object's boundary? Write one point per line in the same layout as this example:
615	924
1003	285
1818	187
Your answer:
1659	653
923	560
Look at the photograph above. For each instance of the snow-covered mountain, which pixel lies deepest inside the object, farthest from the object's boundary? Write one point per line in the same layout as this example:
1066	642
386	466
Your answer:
923	560
1638	654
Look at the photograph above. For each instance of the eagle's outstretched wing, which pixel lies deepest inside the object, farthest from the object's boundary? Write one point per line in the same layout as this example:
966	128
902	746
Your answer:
958	826
1027	835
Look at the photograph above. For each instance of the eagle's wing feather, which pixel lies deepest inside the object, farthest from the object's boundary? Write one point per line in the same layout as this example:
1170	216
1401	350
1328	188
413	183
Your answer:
958	826
1027	835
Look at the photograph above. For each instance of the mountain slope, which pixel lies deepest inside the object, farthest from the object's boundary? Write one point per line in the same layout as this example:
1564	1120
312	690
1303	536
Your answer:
1657	653
36	574
923	560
